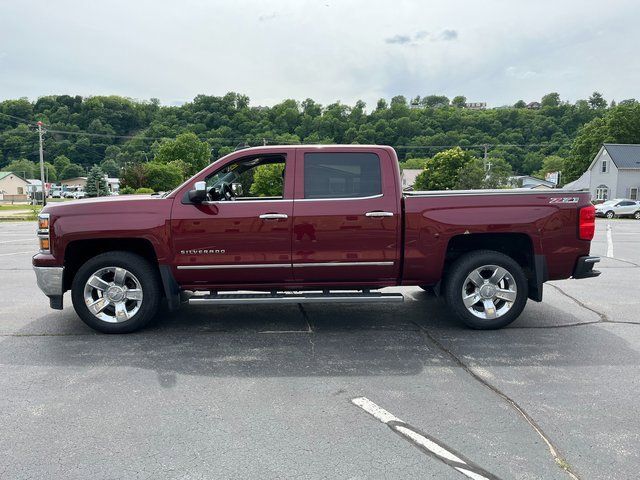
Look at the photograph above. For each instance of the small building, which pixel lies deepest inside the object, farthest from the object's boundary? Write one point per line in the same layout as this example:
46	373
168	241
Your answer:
613	173
74	183
534	105
13	187
527	181
409	176
114	185
476	105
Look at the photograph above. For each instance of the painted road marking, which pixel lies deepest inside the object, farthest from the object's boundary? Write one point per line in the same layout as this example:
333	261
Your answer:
609	242
15	253
20	240
424	441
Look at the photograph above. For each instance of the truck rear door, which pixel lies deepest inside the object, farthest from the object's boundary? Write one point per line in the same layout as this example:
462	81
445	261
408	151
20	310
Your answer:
346	216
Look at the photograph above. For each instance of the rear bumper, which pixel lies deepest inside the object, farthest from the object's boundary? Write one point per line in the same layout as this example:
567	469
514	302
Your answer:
584	267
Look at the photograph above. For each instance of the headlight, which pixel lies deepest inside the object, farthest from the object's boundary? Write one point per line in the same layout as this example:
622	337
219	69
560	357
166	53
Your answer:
43	233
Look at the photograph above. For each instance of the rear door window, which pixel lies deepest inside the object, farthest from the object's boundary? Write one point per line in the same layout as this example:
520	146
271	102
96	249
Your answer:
341	175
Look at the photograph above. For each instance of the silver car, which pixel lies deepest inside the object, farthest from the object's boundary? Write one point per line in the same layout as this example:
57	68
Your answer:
619	207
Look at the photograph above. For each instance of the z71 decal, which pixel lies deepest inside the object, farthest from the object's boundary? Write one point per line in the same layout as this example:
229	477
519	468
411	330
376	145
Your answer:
564	200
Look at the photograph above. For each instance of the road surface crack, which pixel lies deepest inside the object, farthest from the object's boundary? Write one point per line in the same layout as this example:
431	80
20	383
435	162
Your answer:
555	453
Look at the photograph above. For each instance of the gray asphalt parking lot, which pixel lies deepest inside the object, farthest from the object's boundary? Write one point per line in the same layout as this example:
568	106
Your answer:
267	392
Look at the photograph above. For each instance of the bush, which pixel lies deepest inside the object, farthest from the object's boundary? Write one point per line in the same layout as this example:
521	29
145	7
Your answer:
143	190
162	177
127	191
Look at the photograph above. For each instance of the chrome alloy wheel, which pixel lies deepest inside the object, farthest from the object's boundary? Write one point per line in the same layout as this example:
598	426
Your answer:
113	294
489	292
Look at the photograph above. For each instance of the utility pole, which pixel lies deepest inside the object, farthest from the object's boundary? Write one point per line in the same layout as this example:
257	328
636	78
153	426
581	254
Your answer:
42	179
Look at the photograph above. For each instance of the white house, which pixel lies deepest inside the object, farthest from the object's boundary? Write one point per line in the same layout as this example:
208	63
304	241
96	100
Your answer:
13	187
613	173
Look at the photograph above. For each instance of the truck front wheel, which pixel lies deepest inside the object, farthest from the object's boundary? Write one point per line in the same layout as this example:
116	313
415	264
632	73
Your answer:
486	289
116	292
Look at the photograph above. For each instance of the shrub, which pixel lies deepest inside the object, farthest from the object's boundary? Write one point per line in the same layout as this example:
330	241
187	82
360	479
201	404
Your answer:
143	190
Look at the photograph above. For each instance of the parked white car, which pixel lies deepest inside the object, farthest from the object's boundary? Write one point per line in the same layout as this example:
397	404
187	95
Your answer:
79	194
619	207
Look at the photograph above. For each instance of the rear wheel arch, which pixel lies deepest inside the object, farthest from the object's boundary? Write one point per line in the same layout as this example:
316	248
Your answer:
518	246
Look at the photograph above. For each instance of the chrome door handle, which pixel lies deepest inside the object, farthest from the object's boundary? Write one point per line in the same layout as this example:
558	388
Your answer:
273	216
379	214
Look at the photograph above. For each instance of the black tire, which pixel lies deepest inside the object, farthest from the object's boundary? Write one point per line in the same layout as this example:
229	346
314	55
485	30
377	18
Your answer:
637	215
145	273
610	214
464	266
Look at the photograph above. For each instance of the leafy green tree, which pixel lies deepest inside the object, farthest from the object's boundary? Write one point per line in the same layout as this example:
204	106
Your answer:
550	164
162	177
110	167
50	172
472	175
494	173
71	171
267	180
597	101
414	163
60	162
498	173
520	104
96	183
619	125
434	101
459	101
441	172
188	148
134	176
551	100
24	168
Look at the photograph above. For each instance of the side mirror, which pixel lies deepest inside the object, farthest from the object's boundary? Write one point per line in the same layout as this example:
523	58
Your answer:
236	188
199	192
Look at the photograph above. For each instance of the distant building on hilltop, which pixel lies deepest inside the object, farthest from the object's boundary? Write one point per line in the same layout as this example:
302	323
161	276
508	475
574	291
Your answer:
534	105
476	105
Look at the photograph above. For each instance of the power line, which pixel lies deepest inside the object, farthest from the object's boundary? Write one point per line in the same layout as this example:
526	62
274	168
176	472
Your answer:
17	118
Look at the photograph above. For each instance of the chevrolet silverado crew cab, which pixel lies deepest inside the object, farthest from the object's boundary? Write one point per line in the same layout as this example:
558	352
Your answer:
300	224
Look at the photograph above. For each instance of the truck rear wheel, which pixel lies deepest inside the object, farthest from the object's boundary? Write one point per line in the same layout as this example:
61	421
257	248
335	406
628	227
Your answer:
116	292
486	289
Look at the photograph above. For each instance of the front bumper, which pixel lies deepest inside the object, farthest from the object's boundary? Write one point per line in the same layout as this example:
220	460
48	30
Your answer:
50	280
584	267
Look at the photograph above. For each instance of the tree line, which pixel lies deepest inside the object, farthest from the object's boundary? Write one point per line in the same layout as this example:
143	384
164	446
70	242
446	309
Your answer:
154	146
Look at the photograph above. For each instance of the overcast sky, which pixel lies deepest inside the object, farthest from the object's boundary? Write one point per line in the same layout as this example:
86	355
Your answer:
498	51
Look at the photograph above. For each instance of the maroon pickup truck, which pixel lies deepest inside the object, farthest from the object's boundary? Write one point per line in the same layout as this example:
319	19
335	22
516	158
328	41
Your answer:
300	224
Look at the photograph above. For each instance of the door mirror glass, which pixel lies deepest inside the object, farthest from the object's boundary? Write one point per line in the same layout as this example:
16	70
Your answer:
199	192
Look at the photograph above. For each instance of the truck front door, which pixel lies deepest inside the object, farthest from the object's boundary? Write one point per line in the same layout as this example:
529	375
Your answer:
346	216
242	234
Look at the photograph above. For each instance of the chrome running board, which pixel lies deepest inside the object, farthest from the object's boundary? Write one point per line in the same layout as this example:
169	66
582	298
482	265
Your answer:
246	298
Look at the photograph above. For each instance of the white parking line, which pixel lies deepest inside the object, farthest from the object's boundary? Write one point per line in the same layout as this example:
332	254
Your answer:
609	242
441	452
20	239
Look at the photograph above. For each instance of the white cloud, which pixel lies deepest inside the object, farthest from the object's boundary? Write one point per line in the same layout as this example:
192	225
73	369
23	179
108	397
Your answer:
520	73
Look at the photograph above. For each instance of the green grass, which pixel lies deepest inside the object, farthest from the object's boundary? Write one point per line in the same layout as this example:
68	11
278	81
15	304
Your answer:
14	207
